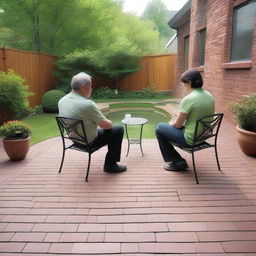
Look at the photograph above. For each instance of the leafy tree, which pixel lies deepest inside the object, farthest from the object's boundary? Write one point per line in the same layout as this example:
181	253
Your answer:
157	12
29	22
114	62
62	27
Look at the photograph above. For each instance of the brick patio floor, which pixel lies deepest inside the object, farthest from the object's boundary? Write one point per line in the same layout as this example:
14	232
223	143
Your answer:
145	210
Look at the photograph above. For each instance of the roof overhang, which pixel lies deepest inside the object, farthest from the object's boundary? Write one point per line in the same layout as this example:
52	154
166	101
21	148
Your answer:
181	17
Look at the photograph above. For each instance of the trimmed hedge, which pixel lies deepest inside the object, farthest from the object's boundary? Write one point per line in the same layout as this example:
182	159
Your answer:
51	99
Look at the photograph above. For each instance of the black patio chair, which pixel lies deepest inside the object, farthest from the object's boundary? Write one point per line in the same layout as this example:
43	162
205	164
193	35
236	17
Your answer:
73	130
209	127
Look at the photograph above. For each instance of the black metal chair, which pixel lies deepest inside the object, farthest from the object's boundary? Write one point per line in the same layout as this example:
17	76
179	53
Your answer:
206	127
73	130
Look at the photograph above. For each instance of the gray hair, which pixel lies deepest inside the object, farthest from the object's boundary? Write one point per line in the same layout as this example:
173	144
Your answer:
80	79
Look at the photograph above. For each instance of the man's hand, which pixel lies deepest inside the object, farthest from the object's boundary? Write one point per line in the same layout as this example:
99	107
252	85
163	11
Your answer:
106	124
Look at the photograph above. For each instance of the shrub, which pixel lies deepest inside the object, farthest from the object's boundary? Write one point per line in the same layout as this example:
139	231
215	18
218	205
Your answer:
104	93
51	99
13	96
145	93
15	130
246	112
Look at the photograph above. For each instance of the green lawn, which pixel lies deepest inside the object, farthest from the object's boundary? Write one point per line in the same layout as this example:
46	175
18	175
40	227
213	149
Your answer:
44	125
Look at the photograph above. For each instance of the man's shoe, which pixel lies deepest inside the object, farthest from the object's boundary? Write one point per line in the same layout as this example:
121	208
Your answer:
115	168
176	166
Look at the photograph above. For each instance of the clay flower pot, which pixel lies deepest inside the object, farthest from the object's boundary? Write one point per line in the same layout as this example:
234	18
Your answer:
247	141
16	149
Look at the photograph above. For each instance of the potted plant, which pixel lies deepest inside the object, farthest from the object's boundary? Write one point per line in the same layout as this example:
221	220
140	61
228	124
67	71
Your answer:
16	136
246	117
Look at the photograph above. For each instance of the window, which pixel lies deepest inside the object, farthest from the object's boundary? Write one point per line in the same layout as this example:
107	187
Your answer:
186	51
202	39
242	37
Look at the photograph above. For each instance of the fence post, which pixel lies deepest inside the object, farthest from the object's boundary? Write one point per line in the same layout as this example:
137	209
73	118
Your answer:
2	59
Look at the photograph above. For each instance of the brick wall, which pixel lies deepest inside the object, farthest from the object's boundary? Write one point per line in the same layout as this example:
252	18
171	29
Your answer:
228	82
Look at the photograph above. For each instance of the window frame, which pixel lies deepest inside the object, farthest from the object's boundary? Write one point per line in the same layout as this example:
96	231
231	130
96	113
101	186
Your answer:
237	6
202	46
186	51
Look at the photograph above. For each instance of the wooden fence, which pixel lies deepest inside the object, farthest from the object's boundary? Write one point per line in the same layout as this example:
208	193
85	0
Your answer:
157	70
37	70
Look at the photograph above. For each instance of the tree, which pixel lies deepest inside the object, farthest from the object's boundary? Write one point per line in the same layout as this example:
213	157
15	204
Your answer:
114	62
29	21
157	12
62	27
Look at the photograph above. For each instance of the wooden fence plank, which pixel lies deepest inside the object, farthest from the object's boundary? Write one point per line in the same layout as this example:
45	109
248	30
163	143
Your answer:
157	70
36	68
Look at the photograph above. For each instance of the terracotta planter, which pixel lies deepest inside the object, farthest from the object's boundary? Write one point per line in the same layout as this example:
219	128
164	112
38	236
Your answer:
247	141
16	149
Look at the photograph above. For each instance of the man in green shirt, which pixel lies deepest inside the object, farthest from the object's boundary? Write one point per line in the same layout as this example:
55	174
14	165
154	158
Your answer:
198	103
99	130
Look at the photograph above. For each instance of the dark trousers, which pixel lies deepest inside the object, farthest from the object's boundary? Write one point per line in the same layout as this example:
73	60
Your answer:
113	139
166	134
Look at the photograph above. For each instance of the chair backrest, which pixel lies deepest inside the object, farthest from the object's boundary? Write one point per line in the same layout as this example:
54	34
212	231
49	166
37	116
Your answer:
72	129
207	127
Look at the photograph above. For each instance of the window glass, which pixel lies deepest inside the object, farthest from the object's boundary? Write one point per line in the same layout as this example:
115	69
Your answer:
186	51
202	39
242	37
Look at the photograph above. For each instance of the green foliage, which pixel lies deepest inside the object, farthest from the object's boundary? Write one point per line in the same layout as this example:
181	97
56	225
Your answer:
50	100
111	62
157	12
146	93
246	112
15	130
62	27
104	93
71	65
38	109
13	95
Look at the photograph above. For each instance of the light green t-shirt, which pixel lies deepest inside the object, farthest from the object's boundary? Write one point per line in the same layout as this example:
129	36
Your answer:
74	105
197	104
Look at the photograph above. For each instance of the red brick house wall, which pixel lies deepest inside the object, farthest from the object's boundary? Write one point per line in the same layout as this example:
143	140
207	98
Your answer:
227	81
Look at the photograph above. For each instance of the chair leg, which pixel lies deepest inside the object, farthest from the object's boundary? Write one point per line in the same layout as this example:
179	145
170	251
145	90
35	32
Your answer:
88	167
194	166
62	160
217	159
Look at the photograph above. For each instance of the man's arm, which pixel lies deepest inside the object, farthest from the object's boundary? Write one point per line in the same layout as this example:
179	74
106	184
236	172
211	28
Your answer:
180	120
105	124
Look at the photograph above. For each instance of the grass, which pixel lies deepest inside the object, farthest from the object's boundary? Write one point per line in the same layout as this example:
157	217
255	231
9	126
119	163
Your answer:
44	125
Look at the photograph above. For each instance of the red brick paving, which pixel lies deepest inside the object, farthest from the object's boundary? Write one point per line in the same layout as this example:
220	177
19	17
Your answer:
145	210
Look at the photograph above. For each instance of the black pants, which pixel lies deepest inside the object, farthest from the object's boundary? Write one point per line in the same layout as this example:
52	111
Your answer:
113	138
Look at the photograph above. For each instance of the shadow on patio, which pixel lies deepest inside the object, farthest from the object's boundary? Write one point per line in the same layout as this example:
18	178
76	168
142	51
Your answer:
144	211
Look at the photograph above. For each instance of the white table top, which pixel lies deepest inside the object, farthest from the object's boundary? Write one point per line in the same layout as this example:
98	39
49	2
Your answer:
134	121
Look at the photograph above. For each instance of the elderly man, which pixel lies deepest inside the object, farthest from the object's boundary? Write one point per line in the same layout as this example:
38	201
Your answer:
99	130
